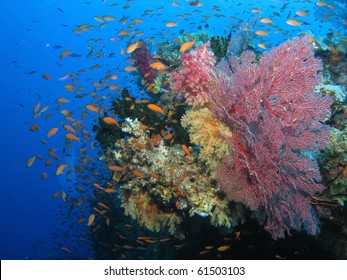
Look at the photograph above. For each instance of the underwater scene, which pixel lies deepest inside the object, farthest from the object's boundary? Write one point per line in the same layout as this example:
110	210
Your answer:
174	129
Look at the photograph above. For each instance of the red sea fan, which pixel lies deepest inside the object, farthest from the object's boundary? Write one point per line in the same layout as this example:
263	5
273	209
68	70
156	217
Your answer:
278	123
195	77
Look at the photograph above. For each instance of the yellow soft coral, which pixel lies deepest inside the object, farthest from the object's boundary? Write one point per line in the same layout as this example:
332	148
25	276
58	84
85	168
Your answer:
209	133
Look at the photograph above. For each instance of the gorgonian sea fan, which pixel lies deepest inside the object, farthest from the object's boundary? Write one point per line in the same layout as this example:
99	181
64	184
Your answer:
278	122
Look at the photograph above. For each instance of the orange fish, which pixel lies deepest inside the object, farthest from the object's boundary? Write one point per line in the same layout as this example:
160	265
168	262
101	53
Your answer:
52	131
92	108
98	187
171	24
157	65
223	248
72	137
320	4
165	239
133	47
186	150
109	120
62	100
115	168
99	19
137	173
104	206
129	68
256	10
60	169
155	108
46	76
293	22
195	3
36	107
69	128
108	190
186	46
91	220
262	46
34	127
108	18
65	53
261	33
31	161
301	13
265	20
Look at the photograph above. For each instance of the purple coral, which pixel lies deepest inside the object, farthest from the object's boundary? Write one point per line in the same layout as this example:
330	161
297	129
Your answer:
277	123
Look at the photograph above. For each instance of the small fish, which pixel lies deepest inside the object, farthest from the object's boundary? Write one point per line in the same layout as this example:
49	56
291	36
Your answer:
186	46
138	173
64	249
92	108
129	68
155	108
65	53
61	168
109	120
171	24
115	168
301	13
104	206
109	18
266	20
195	3
31	161
186	150
69	128
223	248
91	220
165	239
256	10
46	76
262	46
72	137
34	127
61	100
321	4
293	22
52	131
132	47
157	65
261	33
99	19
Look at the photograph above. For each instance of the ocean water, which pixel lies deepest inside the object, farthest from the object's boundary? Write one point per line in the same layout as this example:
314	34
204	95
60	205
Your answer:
37	225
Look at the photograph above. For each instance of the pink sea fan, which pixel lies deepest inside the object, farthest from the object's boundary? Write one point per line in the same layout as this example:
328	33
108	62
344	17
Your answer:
277	123
194	79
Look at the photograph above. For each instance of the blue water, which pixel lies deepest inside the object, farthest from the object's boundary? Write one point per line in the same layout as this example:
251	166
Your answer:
33	224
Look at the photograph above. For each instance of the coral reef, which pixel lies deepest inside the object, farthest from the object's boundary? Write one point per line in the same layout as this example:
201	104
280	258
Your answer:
270	170
159	184
209	133
195	77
